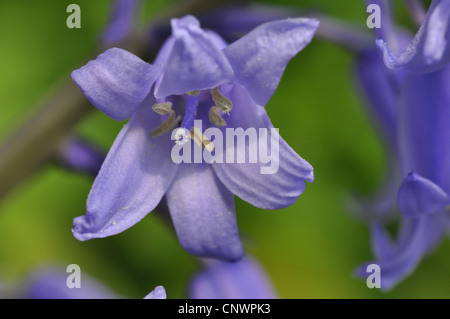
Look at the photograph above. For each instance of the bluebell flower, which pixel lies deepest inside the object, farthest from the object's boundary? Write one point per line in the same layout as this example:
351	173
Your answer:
193	67
414	113
243	279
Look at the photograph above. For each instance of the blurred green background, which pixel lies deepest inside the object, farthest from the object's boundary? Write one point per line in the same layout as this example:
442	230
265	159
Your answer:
309	250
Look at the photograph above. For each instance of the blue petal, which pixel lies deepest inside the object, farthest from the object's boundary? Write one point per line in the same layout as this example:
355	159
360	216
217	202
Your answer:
116	82
284	180
419	196
381	90
419	237
425	131
244	279
134	177
232	22
195	62
158	293
260	57
430	48
202	211
382	245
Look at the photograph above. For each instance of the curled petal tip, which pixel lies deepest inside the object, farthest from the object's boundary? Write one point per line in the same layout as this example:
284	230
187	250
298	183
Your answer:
418	196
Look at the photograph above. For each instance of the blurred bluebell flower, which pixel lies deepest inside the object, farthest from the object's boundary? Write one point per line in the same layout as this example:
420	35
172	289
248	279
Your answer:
158	293
193	68
413	110
50	282
231	22
121	20
429	49
243	279
80	155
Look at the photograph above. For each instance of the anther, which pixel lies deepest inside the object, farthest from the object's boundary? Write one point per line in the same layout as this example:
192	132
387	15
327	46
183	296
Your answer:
162	108
221	101
193	93
214	116
200	139
168	125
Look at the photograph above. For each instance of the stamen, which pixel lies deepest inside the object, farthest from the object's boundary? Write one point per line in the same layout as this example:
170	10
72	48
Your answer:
221	101
193	93
162	108
200	139
215	118
168	125
191	111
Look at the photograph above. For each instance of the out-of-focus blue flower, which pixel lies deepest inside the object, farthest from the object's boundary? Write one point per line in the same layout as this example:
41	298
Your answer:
158	293
429	49
413	109
243	279
122	17
232	21
51	283
192	65
80	155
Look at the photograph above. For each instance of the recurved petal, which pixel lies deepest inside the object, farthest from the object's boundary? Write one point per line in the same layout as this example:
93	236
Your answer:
260	57
419	236
419	196
430	48
116	82
195	61
382	244
202	211
134	177
264	170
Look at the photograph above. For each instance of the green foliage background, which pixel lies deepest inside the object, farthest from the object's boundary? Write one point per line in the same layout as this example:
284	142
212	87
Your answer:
309	250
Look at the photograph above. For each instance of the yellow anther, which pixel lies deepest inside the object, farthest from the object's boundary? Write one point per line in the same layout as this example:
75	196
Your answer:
167	125
221	101
162	108
193	93
214	116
